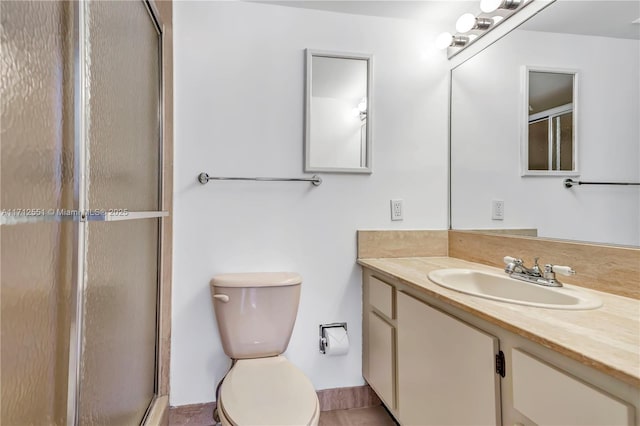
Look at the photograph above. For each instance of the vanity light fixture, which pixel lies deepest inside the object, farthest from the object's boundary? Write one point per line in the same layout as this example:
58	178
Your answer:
460	40
445	40
470	27
468	22
488	6
361	110
362	106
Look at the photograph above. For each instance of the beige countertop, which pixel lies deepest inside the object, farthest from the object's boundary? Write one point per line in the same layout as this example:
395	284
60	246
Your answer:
607	338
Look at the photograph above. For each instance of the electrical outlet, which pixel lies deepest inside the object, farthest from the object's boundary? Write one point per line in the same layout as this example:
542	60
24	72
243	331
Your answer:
497	210
396	209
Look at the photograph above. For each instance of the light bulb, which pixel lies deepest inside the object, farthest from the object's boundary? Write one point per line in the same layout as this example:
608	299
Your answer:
488	6
444	40
362	106
465	23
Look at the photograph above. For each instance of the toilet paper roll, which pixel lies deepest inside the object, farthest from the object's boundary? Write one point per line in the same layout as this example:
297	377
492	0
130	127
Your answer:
337	341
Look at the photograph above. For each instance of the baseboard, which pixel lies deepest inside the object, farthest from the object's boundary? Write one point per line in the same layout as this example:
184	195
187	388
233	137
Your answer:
330	399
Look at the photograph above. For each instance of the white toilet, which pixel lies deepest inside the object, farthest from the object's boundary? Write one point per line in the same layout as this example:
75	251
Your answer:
256	313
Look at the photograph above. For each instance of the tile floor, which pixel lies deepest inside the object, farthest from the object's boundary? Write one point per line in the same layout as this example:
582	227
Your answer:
370	416
200	415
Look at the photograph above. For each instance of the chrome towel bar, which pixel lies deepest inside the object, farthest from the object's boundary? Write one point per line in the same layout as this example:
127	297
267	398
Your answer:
315	179
568	183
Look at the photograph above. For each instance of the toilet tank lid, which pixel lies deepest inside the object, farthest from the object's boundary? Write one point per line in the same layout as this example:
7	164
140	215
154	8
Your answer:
257	279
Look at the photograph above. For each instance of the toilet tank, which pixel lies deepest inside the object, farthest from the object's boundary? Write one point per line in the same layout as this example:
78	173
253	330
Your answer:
255	312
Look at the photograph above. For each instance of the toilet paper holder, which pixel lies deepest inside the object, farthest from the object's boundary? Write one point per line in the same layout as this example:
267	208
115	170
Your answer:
323	336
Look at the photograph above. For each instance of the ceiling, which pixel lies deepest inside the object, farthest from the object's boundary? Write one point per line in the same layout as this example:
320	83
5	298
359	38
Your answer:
592	17
339	78
437	13
598	18
548	90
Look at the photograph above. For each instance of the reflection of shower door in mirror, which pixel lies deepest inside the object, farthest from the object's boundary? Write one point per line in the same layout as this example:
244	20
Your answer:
551	142
80	199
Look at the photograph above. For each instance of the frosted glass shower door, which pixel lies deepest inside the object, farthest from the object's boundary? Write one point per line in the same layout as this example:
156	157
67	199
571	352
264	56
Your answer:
122	160
36	139
80	185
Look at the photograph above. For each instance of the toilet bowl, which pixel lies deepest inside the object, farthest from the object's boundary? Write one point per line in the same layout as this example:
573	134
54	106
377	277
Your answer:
255	314
267	391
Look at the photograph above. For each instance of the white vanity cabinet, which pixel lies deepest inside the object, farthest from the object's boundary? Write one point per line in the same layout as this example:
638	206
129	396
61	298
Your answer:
379	342
446	372
427	367
381	348
550	396
434	364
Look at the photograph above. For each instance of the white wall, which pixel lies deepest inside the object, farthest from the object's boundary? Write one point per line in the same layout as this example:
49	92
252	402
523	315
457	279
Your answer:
239	84
486	139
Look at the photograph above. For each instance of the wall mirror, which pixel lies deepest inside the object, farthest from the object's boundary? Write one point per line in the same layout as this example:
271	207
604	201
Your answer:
549	131
338	112
601	49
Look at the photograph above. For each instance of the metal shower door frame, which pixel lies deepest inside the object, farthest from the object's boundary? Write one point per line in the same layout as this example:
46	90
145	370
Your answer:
80	196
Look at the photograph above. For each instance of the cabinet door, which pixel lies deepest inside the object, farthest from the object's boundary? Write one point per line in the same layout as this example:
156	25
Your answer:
381	362
549	396
446	369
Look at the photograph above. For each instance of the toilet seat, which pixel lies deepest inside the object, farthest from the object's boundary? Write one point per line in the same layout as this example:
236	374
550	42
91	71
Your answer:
268	391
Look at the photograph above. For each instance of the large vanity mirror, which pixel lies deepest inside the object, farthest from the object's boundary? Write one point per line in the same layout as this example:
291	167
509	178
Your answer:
338	111
595	41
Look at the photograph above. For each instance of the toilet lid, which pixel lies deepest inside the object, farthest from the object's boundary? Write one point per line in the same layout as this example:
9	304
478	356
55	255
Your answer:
268	391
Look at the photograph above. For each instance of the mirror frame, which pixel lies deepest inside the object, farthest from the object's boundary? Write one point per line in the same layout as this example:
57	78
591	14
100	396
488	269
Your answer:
309	54
524	125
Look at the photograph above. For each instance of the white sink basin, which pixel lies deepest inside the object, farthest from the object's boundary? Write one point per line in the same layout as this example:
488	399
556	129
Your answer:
506	289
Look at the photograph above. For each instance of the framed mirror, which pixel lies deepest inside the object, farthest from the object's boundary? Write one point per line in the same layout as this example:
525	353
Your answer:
338	112
549	142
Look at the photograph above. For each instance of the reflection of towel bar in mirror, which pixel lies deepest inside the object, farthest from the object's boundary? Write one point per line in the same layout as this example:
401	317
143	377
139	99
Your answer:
570	182
315	179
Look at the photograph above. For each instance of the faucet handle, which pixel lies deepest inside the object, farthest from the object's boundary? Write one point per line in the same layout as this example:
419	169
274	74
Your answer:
535	268
564	270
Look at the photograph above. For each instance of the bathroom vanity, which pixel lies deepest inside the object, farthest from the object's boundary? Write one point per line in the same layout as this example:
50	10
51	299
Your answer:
438	356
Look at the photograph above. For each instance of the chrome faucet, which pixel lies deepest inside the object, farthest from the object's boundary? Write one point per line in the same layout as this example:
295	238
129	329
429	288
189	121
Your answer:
515	269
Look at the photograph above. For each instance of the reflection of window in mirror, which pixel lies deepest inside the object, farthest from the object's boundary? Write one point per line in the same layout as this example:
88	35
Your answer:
550	129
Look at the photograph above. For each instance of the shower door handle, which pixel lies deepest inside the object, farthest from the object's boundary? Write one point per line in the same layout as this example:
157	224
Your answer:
123	214
20	216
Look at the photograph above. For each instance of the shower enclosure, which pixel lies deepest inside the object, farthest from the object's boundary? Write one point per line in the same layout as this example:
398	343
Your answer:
80	199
